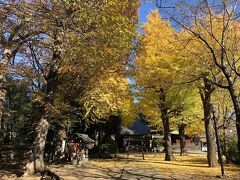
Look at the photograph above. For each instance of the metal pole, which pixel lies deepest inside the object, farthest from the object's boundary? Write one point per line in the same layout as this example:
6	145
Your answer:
215	120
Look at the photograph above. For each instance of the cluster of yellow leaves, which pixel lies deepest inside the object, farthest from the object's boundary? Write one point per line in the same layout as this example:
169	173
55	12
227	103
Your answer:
156	59
105	97
192	114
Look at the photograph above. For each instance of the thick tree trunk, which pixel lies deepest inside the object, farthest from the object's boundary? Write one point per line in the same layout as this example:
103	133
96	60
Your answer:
37	163
183	149
205	93
236	105
166	125
168	142
3	68
211	146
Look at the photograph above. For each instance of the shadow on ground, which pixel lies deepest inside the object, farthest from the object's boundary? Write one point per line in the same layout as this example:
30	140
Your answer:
10	170
135	168
96	172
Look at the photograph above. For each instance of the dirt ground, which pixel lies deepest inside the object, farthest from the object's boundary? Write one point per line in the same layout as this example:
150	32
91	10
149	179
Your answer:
193	166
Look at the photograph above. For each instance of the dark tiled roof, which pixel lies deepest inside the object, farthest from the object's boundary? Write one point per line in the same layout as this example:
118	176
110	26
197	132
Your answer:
140	127
85	138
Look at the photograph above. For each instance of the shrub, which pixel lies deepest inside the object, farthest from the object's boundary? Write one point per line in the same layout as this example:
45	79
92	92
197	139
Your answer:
232	151
105	150
159	142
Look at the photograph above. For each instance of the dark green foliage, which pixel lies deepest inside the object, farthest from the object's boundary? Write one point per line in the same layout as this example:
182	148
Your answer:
106	150
232	151
17	112
107	131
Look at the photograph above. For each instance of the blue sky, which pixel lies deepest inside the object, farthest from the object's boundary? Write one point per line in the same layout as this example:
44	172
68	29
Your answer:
145	9
148	5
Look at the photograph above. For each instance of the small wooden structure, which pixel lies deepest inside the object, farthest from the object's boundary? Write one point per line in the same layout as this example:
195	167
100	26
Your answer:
137	143
79	147
138	138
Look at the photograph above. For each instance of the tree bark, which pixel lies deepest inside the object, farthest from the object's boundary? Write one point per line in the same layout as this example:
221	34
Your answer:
205	93
236	105
183	149
37	163
166	125
52	81
235	100
211	147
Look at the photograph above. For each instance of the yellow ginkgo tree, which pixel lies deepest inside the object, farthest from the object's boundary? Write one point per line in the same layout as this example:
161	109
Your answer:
158	64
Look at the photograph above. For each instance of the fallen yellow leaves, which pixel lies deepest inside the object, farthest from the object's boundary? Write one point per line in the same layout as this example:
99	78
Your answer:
193	166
